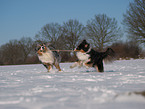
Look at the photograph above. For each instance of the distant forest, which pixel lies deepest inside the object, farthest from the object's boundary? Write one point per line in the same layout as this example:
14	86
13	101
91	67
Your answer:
101	32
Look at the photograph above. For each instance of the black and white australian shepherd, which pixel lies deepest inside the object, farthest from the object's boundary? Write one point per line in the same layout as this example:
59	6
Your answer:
48	57
90	58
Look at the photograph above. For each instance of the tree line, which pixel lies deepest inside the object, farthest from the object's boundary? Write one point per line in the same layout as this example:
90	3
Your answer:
101	32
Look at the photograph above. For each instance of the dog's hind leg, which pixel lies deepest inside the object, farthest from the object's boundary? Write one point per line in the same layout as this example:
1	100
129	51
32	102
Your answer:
57	66
78	63
74	65
100	66
99	69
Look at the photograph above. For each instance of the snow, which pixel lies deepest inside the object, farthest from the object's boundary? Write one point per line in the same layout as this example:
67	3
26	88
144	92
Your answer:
32	87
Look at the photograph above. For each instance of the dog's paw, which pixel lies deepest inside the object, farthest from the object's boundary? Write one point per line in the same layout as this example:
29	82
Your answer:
71	67
80	66
87	67
61	71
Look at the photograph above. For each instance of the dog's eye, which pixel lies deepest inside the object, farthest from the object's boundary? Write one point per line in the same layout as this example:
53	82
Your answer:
43	47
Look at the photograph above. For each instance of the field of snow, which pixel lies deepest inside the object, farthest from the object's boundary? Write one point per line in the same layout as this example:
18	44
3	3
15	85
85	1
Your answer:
32	87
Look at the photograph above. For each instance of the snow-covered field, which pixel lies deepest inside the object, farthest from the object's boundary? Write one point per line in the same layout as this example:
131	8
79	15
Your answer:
32	87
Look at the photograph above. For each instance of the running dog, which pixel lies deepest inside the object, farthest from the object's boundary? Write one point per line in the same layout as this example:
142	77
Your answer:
90	58
48	57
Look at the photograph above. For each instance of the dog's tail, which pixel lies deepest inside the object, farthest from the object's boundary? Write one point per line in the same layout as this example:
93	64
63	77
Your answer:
57	56
109	55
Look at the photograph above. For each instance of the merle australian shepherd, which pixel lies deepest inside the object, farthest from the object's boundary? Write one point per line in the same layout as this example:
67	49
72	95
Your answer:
47	57
90	58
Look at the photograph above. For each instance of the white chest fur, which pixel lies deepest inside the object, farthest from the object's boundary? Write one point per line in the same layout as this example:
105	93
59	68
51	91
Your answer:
46	57
82	56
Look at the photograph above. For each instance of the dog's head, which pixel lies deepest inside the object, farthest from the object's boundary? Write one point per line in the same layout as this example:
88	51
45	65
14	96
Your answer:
41	49
83	47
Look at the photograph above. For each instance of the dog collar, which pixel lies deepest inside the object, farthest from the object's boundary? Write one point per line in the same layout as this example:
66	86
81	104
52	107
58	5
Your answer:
89	50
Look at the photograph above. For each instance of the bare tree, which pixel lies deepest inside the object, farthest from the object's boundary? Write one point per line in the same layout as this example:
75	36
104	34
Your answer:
11	52
134	20
26	45
127	50
16	52
102	31
49	33
1	56
72	32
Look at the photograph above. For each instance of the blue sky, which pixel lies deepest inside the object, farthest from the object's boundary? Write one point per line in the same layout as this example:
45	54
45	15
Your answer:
20	18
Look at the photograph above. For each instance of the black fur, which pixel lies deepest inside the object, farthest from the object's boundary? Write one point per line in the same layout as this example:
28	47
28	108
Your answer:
95	58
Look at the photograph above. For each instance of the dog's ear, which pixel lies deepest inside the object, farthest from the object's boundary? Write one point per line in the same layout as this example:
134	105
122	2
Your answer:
38	45
84	41
44	45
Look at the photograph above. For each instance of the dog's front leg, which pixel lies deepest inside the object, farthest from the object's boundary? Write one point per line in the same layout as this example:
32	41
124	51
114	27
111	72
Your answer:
45	65
78	63
49	67
87	63
74	65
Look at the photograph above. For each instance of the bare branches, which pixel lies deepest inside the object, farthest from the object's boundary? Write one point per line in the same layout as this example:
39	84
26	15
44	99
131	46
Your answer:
134	20
72	32
103	31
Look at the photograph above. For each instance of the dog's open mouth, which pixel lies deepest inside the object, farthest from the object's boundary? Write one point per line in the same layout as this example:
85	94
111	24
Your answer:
79	50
